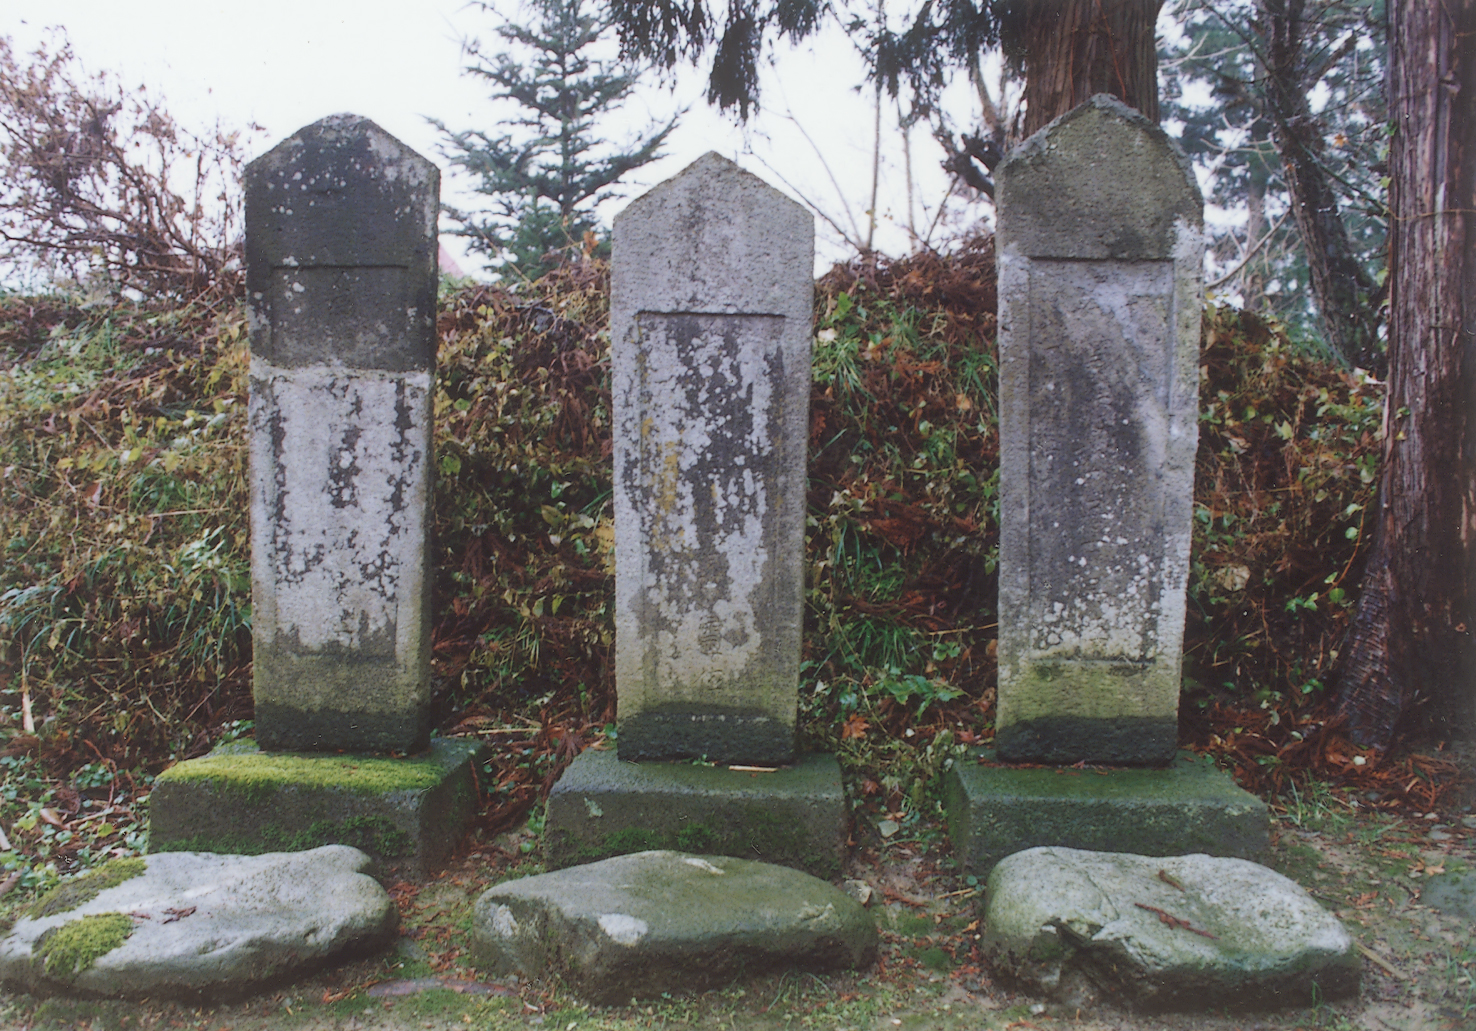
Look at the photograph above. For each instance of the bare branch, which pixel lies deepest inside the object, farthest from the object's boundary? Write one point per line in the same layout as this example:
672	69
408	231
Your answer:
90	178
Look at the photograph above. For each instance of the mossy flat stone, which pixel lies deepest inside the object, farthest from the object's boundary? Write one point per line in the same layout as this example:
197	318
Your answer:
794	816
641	925
406	813
1187	806
201	926
1190	932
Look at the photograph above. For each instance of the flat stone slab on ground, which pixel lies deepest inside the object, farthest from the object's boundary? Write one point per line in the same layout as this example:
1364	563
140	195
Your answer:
1453	893
407	813
794	816
1190	806
197	925
1179	932
639	925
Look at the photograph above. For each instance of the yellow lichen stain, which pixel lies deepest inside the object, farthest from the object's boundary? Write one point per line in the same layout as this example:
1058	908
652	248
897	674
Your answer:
666	481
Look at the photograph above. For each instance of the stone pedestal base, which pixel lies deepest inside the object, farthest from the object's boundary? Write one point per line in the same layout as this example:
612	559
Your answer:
794	816
406	813
1188	806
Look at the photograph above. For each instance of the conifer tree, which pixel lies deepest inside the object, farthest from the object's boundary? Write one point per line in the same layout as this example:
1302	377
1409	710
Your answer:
550	169
1311	170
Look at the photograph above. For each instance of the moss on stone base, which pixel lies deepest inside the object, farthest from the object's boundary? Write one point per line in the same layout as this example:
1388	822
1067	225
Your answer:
76	946
794	816
405	812
376	835
255	776
69	895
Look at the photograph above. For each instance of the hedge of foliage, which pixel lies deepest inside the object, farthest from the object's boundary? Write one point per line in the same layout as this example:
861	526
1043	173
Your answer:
124	593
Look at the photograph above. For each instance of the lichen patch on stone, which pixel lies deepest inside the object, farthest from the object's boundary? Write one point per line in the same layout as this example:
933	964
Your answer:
623	929
504	924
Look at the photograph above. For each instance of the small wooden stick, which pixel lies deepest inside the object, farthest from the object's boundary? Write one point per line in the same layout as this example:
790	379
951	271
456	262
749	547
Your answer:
1380	961
1174	921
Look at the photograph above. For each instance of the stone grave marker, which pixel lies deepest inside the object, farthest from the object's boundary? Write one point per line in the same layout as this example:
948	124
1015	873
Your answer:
710	317
1100	252
1099	248
341	272
710	321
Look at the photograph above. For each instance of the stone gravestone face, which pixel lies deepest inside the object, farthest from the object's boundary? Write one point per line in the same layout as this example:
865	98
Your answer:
710	325
1100	250
341	253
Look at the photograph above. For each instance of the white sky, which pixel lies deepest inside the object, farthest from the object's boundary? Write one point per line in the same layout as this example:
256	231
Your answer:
286	63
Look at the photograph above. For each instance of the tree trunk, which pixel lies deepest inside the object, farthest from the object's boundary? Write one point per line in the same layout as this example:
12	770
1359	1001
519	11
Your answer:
1411	639
1344	293
1252	280
1076	48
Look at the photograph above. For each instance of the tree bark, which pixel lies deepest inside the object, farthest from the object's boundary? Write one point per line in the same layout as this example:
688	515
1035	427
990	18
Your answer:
1252	281
1411	639
1345	295
1077	48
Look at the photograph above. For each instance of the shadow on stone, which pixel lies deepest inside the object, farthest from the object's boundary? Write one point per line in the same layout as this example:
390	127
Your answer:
1189	806
794	816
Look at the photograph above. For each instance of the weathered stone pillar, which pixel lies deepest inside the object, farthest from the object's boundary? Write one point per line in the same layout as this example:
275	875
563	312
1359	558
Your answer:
341	270
710	318
1099	247
710	324
1100	251
341	253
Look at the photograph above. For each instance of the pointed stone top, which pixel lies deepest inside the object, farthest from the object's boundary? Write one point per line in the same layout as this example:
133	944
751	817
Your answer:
714	239
713	170
1100	182
340	192
341	249
354	146
346	133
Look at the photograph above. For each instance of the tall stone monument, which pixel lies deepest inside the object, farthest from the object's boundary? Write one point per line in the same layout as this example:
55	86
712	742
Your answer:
1100	252
711	300
341	273
710	320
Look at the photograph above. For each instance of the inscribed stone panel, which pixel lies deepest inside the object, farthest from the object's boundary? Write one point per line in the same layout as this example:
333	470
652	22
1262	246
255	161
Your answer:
1099	382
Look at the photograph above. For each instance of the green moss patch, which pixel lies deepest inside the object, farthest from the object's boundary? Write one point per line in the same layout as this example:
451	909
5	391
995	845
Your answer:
256	776
937	959
74	947
69	895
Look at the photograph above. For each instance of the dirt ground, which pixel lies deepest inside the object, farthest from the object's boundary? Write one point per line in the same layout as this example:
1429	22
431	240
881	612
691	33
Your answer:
1379	873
